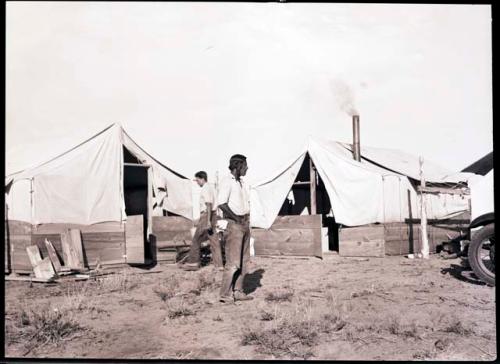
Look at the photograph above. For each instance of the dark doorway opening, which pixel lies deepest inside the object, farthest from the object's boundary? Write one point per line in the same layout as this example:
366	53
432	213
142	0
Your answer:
301	192
135	187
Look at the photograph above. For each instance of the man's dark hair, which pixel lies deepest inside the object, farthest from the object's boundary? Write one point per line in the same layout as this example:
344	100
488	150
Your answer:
201	174
236	162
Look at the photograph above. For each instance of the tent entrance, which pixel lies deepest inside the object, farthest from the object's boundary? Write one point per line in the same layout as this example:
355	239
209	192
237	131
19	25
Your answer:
137	194
299	202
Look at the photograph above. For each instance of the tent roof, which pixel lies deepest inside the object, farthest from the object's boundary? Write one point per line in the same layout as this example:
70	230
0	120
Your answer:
408	164
113	128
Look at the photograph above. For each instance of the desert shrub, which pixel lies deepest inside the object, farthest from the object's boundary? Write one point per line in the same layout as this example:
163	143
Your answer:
456	326
46	325
121	282
293	334
167	289
266	316
280	295
178	309
395	327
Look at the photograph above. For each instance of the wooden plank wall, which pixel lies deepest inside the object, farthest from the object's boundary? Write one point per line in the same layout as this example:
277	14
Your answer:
104	242
171	232
404	237
18	238
362	241
290	235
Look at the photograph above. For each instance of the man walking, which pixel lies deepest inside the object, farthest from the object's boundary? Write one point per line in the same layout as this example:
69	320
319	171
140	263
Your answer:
234	201
205	228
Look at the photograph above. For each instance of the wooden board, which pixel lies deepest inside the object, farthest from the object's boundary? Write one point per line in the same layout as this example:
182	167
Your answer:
171	232
173	235
18	235
297	222
77	248
167	256
34	255
56	229
54	258
134	240
44	269
359	248
171	223
362	241
70	255
290	235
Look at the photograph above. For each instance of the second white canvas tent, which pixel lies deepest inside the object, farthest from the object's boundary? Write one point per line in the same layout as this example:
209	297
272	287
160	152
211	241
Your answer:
374	190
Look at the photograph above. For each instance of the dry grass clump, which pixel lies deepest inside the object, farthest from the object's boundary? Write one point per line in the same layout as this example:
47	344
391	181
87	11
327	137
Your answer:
46	325
266	316
82	298
456	326
121	282
280	295
167	289
178	309
294	334
206	281
396	327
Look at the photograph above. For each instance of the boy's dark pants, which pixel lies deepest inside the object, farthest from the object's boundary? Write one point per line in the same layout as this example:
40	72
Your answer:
201	235
237	250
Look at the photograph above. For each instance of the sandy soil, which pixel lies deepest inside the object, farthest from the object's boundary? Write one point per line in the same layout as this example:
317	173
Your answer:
387	308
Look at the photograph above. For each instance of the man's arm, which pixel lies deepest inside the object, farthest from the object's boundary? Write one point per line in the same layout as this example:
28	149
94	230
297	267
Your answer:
229	213
209	215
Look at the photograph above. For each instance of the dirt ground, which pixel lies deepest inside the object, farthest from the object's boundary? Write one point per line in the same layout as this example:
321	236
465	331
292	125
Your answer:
388	308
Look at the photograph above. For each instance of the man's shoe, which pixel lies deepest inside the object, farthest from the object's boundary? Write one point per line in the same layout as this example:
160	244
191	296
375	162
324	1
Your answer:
240	296
226	299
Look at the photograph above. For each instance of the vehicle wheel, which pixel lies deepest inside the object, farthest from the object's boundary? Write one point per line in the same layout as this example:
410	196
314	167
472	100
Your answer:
482	254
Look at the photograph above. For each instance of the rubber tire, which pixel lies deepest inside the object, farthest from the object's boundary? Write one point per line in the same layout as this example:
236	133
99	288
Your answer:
474	248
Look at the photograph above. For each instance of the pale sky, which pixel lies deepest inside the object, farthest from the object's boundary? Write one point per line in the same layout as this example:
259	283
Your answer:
194	83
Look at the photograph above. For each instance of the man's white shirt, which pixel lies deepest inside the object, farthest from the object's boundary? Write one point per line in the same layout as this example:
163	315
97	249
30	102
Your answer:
207	195
236	194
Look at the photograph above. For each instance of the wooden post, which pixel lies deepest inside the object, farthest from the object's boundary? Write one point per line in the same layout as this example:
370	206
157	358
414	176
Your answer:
423	213
312	181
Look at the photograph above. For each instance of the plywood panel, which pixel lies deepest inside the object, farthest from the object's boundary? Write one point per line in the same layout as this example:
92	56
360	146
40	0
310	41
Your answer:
280	248
70	250
173	235
134	240
34	255
44	269
358	248
362	241
113	226
300	242
287	235
54	258
297	222
171	223
76	243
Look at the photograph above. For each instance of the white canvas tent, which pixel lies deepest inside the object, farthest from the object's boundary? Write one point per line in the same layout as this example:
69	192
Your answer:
85	184
376	190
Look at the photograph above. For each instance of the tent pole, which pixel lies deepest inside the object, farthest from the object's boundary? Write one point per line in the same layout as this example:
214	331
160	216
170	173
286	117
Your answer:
312	181
423	213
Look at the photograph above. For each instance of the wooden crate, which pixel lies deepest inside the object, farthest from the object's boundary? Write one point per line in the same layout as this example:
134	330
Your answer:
298	235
